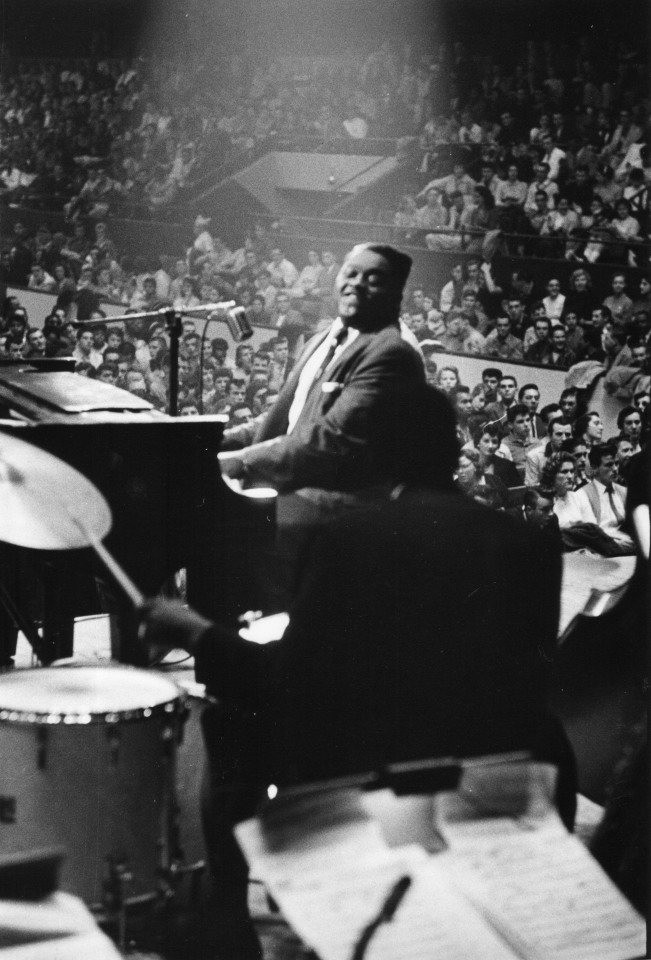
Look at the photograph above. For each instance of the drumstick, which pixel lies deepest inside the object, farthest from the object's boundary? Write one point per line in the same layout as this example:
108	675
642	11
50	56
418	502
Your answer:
134	594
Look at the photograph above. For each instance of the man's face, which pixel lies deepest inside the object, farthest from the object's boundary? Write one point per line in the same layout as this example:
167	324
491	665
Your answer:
531	399
632	426
559	338
243	415
580	453
260	367
619	285
568	405
37	341
468	303
553	288
37	273
107	376
642	401
541	513
221	385
464	403
608	342
458	326
190	410
236	393
113	341
86	341
192	348
490	385
369	294
507	388
606	470
624	451
560	432
520	426
515	309
282	302
281	351
417	298
541	329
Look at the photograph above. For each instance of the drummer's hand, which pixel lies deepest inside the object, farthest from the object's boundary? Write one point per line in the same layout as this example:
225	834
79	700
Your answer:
167	625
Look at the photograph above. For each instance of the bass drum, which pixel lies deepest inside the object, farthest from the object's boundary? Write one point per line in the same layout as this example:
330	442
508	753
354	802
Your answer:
87	756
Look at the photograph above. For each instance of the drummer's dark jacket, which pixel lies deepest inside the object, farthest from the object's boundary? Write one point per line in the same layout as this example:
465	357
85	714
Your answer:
421	629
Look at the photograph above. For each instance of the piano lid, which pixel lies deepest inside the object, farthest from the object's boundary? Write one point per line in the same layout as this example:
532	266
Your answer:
69	392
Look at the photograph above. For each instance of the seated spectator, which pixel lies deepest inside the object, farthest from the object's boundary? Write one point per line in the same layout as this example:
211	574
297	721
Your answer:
483	225
629	424
604	502
462	406
560	354
619	304
487	440
85	351
624	450
406	218
460	337
497	409
453	290
501	342
473	482
40	280
540	351
580	299
452	236
447	379
281	270
579	450
558	477
537	508
589	428
309	277
626	228
457	182
433	214
36	346
518	438
569	404
540	184
511	192
558	431
281	363
529	395
291	323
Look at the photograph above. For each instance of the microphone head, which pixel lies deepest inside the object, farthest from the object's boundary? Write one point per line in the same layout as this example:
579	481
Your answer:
238	324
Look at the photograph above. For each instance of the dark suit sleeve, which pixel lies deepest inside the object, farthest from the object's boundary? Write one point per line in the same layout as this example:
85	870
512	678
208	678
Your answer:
333	445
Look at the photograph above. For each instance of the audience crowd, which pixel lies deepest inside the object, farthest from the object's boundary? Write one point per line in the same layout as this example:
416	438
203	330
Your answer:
541	153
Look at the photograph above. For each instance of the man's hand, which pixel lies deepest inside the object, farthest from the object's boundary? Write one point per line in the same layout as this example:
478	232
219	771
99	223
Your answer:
167	625
231	464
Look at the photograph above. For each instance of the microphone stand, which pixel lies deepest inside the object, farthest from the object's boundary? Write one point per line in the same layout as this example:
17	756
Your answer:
173	319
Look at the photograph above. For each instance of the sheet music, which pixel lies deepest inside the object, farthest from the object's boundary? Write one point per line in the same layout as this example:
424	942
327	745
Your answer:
543	888
330	909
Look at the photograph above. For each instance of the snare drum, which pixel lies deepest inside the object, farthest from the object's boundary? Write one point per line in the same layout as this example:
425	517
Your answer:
87	758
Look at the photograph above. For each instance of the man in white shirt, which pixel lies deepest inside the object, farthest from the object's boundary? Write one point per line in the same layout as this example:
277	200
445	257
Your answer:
281	269
604	502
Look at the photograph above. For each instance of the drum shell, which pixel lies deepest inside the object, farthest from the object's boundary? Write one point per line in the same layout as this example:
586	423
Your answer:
101	790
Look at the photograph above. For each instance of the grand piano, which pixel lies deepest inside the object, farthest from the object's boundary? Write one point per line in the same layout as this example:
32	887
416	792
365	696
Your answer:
171	511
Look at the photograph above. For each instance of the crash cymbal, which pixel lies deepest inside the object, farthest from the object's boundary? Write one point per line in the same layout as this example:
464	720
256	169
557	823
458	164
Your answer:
45	503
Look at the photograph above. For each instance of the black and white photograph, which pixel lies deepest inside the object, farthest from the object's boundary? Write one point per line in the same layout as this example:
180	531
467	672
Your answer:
325	479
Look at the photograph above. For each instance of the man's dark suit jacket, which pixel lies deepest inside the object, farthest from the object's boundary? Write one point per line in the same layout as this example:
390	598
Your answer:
421	629
334	443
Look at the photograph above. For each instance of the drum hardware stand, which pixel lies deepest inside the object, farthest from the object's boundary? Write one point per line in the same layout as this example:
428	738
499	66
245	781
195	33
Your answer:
25	625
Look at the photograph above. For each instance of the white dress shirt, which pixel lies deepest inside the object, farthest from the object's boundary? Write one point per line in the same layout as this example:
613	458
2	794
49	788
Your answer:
312	366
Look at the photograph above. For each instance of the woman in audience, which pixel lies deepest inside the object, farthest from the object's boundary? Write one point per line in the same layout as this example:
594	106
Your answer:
472	480
589	428
447	378
559	476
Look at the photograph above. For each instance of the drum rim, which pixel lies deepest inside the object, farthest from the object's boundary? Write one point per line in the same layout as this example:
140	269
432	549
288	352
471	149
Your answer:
171	707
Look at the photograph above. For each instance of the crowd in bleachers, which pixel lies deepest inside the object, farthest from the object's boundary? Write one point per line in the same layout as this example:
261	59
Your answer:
541	153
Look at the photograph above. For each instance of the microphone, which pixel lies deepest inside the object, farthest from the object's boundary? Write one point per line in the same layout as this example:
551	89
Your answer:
238	324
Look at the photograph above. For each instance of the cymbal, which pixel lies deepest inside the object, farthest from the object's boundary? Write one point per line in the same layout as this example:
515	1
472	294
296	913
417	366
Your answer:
45	503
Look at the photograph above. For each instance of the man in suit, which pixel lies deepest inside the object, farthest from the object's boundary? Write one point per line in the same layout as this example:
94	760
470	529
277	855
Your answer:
413	633
604	502
319	446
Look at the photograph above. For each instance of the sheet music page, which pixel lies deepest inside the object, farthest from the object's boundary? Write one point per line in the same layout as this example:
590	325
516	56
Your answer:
329	910
317	829
542	888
